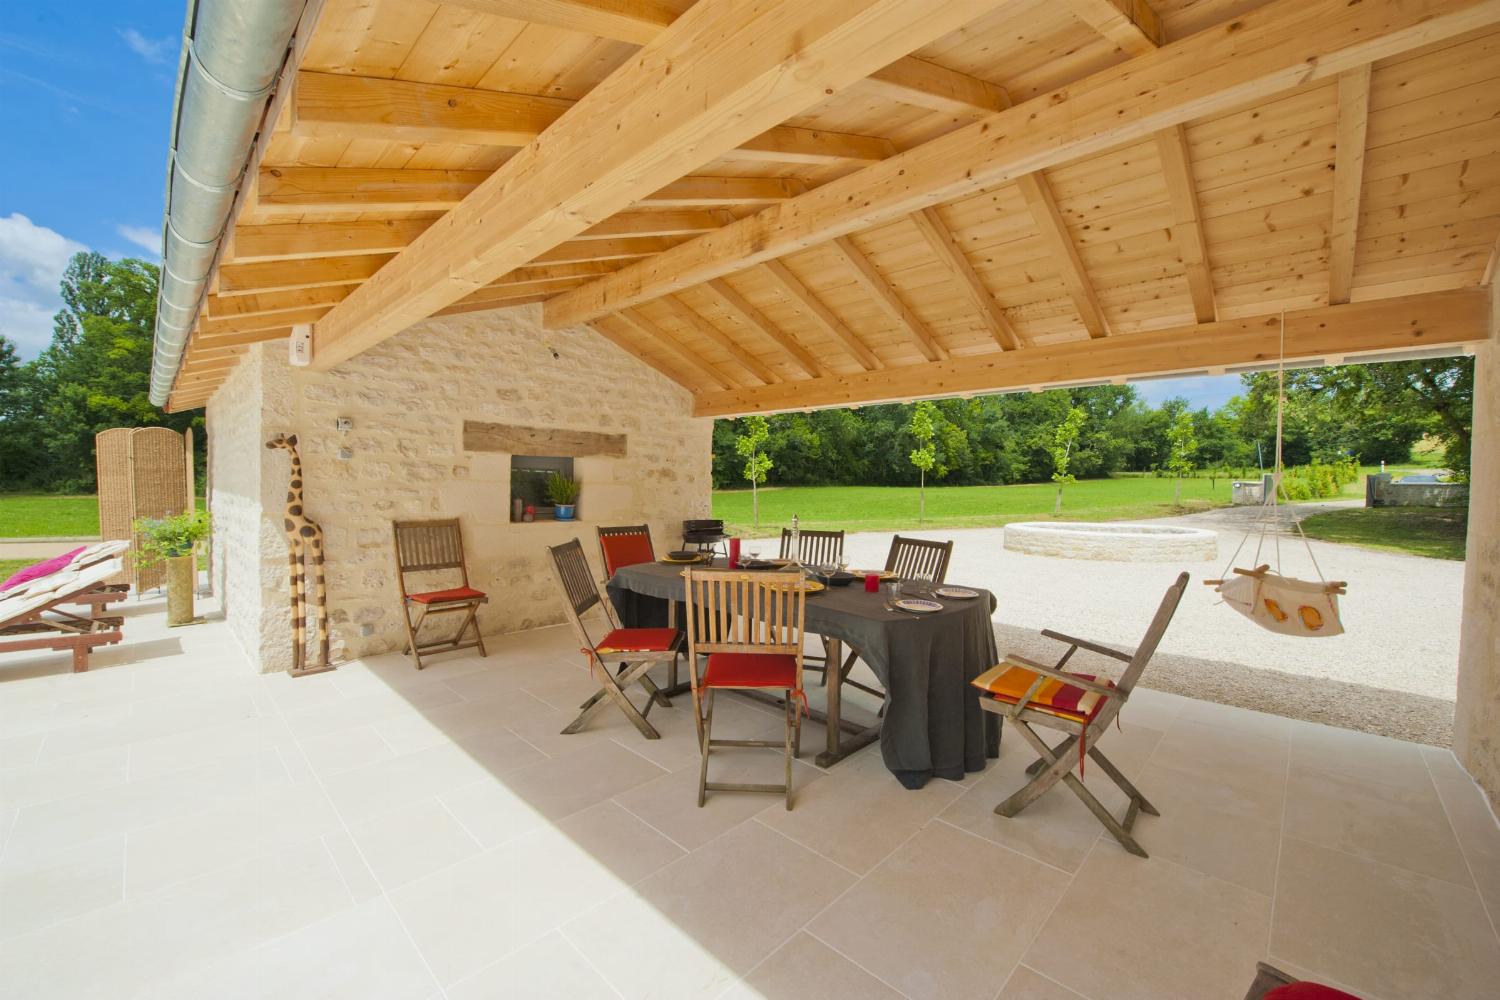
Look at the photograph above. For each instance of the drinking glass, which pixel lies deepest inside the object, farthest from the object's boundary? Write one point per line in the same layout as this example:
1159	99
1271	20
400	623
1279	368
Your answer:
893	591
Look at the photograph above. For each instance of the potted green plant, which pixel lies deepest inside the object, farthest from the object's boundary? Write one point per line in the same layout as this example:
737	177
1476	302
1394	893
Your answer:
174	541
563	492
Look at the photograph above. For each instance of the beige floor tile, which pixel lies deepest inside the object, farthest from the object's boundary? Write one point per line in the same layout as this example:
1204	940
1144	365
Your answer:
351	866
1442	764
947	915
564	785
568	689
491	811
59	886
1255	764
478	911
549	969
1240	720
734	718
167	754
226	834
862	815
27	784
543	726
1028	984
1478	836
344	750
1380	928
1362	755
1229	831
19	751
340	713
427	727
697	924
619	841
1129	927
359	954
1400	824
806	967
404	844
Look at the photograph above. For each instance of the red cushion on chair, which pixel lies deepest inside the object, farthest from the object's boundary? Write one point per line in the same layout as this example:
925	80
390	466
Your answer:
772	670
444	596
1308	991
625	550
638	640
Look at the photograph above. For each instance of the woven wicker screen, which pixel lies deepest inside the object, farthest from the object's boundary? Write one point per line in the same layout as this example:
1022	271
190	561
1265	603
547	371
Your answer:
142	473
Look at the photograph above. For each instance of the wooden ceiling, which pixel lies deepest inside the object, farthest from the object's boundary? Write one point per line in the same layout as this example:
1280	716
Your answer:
877	201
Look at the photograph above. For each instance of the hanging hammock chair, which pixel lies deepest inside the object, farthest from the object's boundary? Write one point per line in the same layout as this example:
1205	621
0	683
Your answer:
1278	603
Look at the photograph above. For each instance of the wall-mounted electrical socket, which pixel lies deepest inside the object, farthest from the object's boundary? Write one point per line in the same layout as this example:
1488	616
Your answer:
299	345
345	454
343	425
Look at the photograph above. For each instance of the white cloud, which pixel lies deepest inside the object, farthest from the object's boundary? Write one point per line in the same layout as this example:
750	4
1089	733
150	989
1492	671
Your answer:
153	50
32	261
143	237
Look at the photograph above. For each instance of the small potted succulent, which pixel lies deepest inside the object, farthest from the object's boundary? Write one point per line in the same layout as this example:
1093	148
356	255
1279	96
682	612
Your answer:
174	541
563	492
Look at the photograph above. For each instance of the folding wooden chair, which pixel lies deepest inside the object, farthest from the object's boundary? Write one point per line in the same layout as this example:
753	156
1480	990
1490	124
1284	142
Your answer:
636	649
1082	705
908	558
429	546
626	545
750	627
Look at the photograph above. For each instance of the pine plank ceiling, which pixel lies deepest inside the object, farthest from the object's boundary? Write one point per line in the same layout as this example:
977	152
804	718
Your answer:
1041	192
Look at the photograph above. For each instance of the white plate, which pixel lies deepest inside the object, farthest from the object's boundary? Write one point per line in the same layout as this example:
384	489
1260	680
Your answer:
957	593
918	605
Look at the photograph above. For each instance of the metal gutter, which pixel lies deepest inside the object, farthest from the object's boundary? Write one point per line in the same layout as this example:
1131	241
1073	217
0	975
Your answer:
232	54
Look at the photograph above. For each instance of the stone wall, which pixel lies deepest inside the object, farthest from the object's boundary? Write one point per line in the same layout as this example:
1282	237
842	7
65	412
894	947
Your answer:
407	400
1380	491
1476	724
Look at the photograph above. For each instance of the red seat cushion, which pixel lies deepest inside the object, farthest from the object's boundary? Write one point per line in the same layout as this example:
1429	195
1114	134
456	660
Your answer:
625	550
444	596
772	670
1308	991
1008	684
638	640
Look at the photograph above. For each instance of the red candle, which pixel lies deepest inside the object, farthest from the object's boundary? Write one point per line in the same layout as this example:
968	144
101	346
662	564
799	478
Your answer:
872	583
734	553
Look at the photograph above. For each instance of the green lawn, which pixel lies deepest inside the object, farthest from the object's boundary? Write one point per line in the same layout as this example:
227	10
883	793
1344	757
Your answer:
894	508
1436	532
42	515
9	566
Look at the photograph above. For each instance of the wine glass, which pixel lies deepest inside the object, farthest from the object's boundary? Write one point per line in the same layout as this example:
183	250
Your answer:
893	591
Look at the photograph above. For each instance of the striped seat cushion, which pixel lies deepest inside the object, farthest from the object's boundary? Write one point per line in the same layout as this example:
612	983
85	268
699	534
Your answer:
1009	684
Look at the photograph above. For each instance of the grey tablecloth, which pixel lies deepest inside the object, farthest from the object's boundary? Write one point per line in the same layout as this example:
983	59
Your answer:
933	725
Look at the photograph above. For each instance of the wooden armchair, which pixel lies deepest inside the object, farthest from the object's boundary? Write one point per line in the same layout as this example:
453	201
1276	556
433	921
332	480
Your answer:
435	546
1030	694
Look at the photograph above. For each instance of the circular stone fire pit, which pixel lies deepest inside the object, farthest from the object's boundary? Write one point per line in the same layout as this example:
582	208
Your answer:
1119	542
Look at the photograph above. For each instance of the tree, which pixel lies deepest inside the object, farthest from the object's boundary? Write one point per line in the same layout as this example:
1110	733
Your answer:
924	457
1182	445
757	462
1063	440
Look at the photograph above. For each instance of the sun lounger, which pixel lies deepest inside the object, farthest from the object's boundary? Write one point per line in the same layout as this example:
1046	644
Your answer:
32	616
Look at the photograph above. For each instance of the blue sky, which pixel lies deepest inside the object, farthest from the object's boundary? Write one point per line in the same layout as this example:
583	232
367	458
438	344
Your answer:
1212	391
85	108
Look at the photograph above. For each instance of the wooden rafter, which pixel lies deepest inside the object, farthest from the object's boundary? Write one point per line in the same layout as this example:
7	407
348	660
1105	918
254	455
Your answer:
816	312
242	279
1054	232
1187	220
295	240
609	327
884	294
1131	24
295	300
201	342
1440	319
735	304
691	95
1348	180
757	368
260	321
654	334
336	105
1264	51
940	240
928	85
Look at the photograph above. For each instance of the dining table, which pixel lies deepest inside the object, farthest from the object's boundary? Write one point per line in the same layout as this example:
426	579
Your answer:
930	725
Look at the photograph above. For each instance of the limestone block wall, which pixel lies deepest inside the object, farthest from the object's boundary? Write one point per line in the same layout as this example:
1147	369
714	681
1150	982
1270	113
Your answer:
407	400
1380	491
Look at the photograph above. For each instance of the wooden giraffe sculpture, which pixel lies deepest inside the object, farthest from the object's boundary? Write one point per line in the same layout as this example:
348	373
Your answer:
304	541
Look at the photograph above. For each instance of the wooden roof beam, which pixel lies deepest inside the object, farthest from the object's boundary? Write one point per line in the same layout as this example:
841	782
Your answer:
880	289
1268	50
696	92
1187	220
757	368
1131	24
263	321
654	334
240	339
928	85
812	307
737	306
1054	232
606	327
1348	180
940	239
270	303
277	276
1436	319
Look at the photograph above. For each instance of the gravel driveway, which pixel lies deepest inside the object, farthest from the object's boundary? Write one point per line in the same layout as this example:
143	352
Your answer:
1393	672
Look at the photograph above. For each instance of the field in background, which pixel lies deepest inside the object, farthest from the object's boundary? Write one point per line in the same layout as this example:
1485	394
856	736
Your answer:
1435	532
48	515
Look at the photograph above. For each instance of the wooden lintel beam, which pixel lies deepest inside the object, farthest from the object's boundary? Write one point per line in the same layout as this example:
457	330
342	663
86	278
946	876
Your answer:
610	329
1132	25
1348	179
653	334
816	312
1053	230
1267	50
940	240
1187	220
1445	320
737	306
880	289
694	93
757	368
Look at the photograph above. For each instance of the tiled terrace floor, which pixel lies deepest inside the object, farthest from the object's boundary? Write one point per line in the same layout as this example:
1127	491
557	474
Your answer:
173	826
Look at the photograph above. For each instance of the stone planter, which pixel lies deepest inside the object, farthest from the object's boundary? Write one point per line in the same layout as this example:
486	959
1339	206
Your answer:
182	572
